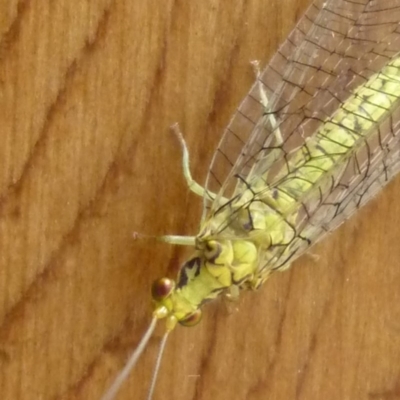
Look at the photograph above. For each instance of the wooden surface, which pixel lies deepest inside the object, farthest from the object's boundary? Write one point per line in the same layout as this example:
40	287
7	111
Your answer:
87	93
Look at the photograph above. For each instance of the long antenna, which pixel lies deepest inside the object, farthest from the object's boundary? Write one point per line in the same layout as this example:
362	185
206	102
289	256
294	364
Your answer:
157	366
119	380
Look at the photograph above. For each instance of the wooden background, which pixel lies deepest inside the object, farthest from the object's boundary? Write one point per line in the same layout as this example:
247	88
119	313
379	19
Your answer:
88	90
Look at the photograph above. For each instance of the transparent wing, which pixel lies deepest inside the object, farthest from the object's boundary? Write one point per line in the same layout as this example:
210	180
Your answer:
361	179
335	47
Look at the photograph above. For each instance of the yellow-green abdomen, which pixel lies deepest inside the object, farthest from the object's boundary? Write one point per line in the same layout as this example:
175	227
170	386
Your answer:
339	136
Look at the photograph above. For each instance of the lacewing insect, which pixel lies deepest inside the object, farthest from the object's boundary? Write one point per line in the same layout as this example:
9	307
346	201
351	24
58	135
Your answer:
314	140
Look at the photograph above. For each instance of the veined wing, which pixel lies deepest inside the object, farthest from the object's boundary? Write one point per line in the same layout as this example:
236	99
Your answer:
335	48
362	178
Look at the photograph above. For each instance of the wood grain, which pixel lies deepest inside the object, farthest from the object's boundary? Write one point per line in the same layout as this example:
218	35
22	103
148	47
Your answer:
87	93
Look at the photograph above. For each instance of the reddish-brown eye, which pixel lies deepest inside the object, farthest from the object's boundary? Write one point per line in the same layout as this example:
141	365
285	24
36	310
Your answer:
192	319
162	288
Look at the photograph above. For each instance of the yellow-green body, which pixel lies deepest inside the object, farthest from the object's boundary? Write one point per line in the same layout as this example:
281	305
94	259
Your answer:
236	246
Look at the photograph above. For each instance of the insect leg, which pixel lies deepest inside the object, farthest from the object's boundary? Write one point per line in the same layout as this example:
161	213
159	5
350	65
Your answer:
179	240
264	101
172	239
233	293
192	184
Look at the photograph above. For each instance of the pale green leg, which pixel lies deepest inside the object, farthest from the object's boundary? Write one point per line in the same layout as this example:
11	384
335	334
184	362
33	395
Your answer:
172	239
233	294
265	101
231	300
192	184
179	240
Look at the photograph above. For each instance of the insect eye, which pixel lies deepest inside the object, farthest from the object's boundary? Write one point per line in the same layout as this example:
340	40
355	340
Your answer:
162	288
193	319
212	250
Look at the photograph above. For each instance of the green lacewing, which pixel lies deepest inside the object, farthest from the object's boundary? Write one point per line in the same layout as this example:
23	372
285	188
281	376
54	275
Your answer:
313	141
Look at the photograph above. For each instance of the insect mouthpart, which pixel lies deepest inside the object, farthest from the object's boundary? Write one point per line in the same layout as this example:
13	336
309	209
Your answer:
165	305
